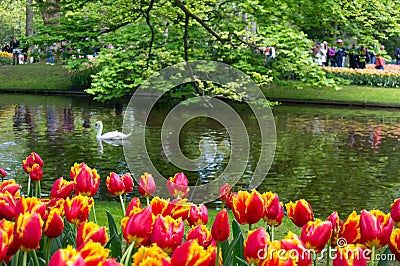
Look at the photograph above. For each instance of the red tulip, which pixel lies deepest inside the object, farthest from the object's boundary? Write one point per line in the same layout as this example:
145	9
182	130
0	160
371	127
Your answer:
28	231
273	210
115	184
316	234
220	229
7	206
110	262
10	186
179	208
54	224
350	255
248	208
93	253
191	253
350	229
152	255
61	189
31	160
91	231
277	255
224	192
147	186
77	209
198	215
168	233
138	227
299	212
4	242
3	172
395	212
133	204
178	186
394	243
31	205
336	224
36	173
255	244
375	228
201	234
86	181
128	182
67	257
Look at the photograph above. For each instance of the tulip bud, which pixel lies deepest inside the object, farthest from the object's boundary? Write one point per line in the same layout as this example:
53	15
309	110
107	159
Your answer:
178	186
375	228
147	186
3	172
198	215
254	245
316	234
36	173
299	212
61	189
168	233
220	229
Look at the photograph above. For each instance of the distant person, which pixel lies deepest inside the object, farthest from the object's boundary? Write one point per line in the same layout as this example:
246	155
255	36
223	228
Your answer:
380	60
50	54
362	57
353	56
397	55
340	53
332	56
14	44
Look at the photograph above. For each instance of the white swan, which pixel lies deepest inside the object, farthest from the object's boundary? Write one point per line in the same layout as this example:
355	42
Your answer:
113	135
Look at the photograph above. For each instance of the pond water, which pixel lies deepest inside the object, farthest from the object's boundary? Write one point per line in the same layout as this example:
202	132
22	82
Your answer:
340	159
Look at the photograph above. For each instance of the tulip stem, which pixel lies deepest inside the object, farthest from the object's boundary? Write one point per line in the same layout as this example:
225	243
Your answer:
127	254
35	258
29	186
24	258
122	204
94	214
272	232
47	254
148	201
250	226
373	256
328	257
218	252
16	258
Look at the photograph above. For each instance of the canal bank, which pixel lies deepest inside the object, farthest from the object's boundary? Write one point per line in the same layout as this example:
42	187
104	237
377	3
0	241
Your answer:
40	78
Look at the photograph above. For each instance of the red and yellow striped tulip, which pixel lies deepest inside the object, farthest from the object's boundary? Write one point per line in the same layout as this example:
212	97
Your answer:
31	205
179	208
28	231
375	228
394	243
3	172
4	242
86	180
168	233
128	182
77	209
350	229
138	227
91	231
36	173
133	205
316	234
160	206
336	224
110	262
191	253
147	186
61	189
67	257
350	255
395	212
254	245
115	184
10	186
178	186
54	224
220	229
248	208
198	215
151	256
30	161
277	256
297	250
93	253
8	205
271	205
300	212
201	234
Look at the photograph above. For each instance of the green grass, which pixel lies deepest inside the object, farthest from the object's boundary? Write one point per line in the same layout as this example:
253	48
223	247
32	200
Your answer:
114	208
35	77
347	94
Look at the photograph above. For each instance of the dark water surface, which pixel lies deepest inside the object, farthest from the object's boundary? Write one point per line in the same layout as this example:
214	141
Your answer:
340	159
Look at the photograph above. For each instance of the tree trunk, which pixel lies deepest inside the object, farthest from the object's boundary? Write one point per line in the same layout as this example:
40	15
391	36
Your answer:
50	10
29	18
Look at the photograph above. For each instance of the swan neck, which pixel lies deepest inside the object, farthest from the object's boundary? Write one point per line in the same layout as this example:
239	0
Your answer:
99	131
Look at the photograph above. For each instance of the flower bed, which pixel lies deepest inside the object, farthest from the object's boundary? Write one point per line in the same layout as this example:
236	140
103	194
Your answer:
390	77
57	231
5	58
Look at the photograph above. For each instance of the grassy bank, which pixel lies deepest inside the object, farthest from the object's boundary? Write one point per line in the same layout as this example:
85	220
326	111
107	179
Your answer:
360	95
35	77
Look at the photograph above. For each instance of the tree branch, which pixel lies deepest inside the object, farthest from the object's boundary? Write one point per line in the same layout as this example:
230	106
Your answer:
182	6
186	38
147	16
